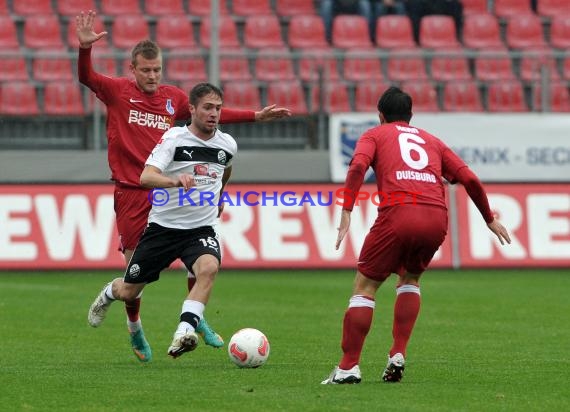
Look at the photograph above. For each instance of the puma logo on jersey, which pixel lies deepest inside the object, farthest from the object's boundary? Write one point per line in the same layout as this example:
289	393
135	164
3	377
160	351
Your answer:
188	153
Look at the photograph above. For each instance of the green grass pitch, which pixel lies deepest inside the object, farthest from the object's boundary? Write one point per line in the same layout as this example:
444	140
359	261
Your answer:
487	340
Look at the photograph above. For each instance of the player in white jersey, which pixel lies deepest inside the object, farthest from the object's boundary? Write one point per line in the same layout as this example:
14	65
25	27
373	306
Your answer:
189	169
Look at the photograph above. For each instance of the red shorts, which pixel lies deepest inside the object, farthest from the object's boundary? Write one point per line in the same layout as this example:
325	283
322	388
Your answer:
403	239
131	211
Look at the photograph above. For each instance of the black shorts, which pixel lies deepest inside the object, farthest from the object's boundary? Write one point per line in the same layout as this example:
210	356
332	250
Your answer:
160	246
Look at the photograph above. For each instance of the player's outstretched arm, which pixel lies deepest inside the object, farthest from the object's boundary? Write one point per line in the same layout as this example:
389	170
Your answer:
343	227
272	112
85	33
500	231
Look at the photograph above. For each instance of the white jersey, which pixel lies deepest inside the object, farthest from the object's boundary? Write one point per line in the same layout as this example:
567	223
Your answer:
180	151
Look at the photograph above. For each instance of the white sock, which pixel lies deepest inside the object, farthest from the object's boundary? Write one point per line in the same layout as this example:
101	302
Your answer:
191	308
134	326
108	294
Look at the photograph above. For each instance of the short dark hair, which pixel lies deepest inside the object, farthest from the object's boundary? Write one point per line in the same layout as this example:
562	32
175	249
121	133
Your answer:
147	49
395	105
203	89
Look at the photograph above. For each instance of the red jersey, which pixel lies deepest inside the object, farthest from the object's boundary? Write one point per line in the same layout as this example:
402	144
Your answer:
137	120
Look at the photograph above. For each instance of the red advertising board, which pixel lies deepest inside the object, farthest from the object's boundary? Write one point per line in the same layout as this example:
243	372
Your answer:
276	226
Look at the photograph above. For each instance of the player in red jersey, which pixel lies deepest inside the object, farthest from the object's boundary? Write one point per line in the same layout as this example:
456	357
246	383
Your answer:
138	114
407	233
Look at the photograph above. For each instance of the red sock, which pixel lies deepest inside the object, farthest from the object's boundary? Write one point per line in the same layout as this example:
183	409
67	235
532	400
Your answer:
406	310
133	309
191	282
356	324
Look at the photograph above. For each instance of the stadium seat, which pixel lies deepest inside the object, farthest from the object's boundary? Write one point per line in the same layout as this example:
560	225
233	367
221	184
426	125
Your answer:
202	8
492	65
559	98
438	32
228	36
172	8
32	7
288	94
406	65
104	62
3	7
335	98
8	34
450	65
18	99
393	31
553	8
350	32
424	95
313	62
566	68
560	32
175	32
474	7
462	96
179	68
251	7
262	31
235	67
42	32
51	68
13	69
534	61
362	65
367	94
71	8
63	99
524	32
508	8
270	66
120	7
128	30
481	31
242	95
506	96
287	8
306	32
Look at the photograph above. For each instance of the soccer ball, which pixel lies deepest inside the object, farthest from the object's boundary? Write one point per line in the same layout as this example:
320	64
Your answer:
248	348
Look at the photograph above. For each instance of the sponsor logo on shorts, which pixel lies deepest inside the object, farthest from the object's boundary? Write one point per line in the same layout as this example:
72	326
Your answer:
134	270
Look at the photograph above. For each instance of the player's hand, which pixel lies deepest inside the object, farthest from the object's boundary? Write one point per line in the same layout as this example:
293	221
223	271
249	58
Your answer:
343	227
272	113
500	231
84	28
186	181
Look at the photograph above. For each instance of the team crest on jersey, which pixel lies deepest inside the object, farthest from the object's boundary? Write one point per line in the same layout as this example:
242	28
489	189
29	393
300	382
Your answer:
169	107
222	157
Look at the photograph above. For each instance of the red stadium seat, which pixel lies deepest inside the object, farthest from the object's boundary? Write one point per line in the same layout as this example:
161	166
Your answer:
509	8
172	8
560	32
437	32
52	68
481	31
270	66
294	7
566	68
8	34
306	32
424	95
251	7
3	7
534	61
524	32
462	96
474	6
393	31
559	97
120	7
128	30
235	67
63	99
228	35
104	62
32	7
72	8
242	95
506	96
288	94
13	69
350	31
184	68
42	32
494	65
202	8
552	8
175	32
18	99
316	61
362	65
336	98
263	31
450	65
406	65
367	95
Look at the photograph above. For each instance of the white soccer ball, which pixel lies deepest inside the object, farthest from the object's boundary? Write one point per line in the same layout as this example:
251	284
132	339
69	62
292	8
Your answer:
248	348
